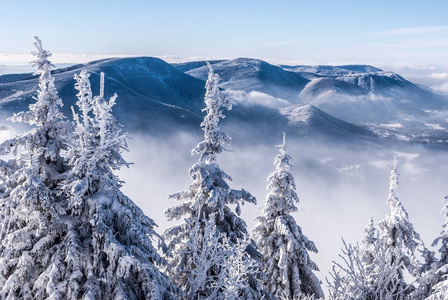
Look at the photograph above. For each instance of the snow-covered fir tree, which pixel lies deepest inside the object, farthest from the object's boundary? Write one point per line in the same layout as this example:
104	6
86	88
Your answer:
368	242
212	249
434	282
287	265
364	271
67	231
31	207
199	264
443	238
108	251
402	241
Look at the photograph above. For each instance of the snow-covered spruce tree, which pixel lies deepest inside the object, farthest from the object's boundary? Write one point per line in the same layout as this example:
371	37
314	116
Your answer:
435	281
31	208
402	241
210	249
368	245
443	238
365	271
107	252
205	201
287	265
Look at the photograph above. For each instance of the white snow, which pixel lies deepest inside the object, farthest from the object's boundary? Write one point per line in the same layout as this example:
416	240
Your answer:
435	126
392	125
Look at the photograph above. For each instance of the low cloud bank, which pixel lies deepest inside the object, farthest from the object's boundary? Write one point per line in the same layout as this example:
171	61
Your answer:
339	186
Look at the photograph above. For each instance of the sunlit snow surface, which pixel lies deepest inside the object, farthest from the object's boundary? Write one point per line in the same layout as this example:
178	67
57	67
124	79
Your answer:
5	133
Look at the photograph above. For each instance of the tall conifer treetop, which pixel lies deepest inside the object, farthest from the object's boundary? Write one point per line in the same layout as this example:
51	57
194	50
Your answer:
287	265
396	227
396	208
210	193
214	139
47	139
45	112
401	240
210	229
282	187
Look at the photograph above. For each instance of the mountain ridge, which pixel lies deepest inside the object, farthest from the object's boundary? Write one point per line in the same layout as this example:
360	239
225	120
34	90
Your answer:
157	97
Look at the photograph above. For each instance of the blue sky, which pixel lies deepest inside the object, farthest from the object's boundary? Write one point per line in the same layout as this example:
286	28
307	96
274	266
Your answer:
302	31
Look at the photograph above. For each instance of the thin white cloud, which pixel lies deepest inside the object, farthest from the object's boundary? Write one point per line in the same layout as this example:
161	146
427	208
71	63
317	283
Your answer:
15	59
412	30
255	97
441	89
439	75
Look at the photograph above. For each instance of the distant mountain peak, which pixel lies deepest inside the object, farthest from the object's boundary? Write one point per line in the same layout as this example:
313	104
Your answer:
327	70
308	119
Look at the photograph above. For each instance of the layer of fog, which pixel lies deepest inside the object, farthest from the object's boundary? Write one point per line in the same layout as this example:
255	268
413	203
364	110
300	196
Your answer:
258	98
24	68
433	77
339	186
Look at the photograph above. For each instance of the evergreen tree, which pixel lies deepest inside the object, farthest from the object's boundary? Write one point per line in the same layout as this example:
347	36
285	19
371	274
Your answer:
109	252
206	201
31	206
213	249
402	241
287	265
368	242
434	283
66	230
443	238
365	271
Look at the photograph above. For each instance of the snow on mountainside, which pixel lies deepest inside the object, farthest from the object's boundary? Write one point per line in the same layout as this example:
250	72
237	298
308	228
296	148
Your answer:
359	94
248	75
310	120
150	91
156	97
355	93
332	70
371	97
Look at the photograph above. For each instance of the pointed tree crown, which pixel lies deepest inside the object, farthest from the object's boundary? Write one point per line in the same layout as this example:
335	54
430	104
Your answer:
47	139
398	233
392	200
282	195
215	140
46	110
288	267
205	205
41	62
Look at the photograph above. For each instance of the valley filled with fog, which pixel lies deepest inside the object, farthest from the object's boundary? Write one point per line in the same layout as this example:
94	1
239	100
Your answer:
340	186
